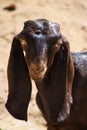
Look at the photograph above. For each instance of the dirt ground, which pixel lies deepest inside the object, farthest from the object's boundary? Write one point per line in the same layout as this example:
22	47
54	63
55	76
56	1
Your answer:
72	17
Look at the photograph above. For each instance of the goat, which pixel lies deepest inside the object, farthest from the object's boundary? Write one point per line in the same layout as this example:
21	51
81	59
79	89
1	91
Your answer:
40	52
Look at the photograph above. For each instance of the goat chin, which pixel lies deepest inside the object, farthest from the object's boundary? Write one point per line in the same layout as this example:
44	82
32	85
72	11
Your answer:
37	76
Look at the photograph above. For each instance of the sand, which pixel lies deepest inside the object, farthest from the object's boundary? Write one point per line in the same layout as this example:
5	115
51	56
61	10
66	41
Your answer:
72	17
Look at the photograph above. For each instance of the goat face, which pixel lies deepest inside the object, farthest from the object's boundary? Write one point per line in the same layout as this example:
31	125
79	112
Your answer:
48	62
40	41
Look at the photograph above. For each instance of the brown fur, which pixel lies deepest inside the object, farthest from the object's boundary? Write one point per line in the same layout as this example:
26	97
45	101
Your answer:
60	76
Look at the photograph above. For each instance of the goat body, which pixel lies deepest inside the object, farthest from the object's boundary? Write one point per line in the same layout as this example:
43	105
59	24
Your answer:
60	76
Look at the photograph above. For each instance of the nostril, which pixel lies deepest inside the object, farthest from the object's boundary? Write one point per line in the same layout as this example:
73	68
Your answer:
39	68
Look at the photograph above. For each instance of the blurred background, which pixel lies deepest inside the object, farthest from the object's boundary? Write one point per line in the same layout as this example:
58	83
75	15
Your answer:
72	17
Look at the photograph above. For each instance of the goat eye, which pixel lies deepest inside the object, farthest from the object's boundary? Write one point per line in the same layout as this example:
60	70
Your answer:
38	31
60	41
57	45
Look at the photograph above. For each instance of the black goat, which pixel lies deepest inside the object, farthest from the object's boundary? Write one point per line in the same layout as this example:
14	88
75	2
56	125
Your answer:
60	76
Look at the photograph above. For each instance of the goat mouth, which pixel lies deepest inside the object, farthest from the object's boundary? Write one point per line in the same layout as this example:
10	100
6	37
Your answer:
37	75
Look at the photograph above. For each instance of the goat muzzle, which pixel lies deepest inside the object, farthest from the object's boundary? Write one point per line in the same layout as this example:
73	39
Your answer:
37	71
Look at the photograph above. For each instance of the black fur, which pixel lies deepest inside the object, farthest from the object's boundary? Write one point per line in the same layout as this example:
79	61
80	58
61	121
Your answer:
60	76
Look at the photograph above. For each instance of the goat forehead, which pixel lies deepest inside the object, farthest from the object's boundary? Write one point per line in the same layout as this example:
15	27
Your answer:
51	26
44	25
37	23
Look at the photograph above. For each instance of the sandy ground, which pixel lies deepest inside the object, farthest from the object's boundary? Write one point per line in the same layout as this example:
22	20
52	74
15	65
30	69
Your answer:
72	17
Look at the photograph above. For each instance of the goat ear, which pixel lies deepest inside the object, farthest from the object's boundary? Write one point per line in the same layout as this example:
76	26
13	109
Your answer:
19	82
61	83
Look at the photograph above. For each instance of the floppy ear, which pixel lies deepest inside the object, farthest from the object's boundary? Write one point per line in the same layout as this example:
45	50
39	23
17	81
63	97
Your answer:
18	81
61	78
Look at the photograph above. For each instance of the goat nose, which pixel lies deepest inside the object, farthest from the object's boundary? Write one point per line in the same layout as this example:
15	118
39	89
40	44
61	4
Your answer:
38	62
38	67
